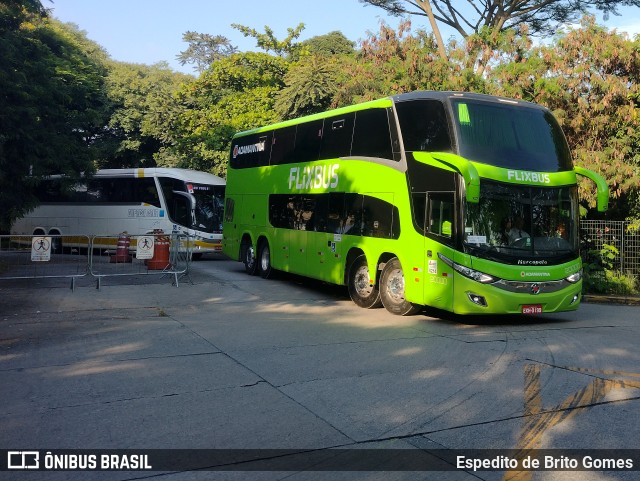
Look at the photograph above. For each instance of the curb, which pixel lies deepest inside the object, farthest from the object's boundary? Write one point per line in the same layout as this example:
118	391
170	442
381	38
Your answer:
604	299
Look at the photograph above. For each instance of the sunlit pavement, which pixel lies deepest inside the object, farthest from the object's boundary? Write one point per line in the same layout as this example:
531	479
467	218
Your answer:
233	361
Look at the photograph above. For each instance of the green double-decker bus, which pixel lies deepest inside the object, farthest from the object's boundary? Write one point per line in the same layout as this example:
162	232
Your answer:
458	201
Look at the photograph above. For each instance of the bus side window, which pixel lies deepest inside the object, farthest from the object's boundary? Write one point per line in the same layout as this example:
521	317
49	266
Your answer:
424	126
146	191
308	140
371	135
380	218
440	214
336	136
283	145
335	212
353	214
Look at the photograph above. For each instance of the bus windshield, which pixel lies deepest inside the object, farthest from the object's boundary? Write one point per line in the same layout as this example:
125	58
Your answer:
510	136
209	207
522	225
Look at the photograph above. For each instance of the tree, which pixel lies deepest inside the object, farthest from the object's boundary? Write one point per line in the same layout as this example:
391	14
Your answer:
52	107
332	43
589	78
311	82
236	93
143	107
541	16
486	19
310	87
392	62
268	42
204	49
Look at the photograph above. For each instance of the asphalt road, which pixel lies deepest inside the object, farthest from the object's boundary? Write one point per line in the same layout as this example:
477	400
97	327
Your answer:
231	361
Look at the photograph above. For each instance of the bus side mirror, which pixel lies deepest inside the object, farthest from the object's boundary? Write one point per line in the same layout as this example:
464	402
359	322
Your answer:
190	197
457	164
602	199
189	201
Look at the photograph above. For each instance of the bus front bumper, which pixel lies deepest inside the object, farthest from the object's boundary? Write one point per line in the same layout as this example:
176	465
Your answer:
471	297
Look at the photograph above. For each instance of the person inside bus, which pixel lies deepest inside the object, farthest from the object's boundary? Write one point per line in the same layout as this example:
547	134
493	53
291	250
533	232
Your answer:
348	224
514	229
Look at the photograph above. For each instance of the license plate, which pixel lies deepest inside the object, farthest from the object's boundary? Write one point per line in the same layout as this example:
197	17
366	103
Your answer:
532	309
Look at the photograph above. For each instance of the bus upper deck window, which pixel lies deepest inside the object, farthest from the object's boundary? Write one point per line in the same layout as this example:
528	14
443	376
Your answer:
463	114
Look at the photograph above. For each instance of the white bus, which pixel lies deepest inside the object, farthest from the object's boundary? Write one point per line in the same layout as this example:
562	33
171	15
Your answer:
135	201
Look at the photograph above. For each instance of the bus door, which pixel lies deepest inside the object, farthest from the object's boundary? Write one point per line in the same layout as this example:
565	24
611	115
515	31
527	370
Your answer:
439	238
324	257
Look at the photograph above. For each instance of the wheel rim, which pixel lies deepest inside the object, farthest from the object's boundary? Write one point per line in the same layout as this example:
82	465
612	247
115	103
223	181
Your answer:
250	257
395	286
265	259
361	282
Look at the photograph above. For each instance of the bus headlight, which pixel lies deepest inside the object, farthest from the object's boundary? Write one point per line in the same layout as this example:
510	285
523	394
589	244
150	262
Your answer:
573	278
468	272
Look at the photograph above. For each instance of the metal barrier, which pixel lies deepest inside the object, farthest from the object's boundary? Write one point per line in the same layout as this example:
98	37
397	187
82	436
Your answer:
75	256
149	254
44	257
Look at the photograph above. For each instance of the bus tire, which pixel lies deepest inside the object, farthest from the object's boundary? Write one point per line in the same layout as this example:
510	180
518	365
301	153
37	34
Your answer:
264	261
392	290
249	258
362	292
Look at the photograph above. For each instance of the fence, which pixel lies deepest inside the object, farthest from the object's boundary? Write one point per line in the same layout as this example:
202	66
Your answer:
42	257
596	233
75	256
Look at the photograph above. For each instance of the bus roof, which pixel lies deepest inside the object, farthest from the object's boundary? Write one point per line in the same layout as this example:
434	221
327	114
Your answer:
186	175
388	102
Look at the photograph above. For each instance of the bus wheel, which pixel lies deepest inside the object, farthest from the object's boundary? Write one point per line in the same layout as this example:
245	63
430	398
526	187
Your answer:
392	290
264	258
249	259
362	292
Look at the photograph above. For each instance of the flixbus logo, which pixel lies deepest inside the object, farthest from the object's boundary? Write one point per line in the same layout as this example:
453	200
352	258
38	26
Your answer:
314	177
524	176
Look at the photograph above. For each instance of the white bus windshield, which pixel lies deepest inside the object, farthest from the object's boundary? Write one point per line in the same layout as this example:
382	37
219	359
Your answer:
209	207
195	206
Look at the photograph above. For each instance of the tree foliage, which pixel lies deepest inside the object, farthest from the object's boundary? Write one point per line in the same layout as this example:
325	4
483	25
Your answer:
472	16
332	43
52	108
392	62
236	93
310	87
268	42
143	106
204	49
482	22
589	78
70	108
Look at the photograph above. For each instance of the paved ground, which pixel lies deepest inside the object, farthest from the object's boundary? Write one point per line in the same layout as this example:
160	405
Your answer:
233	361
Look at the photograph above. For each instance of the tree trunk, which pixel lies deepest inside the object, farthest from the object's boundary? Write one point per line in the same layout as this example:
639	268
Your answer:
426	6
